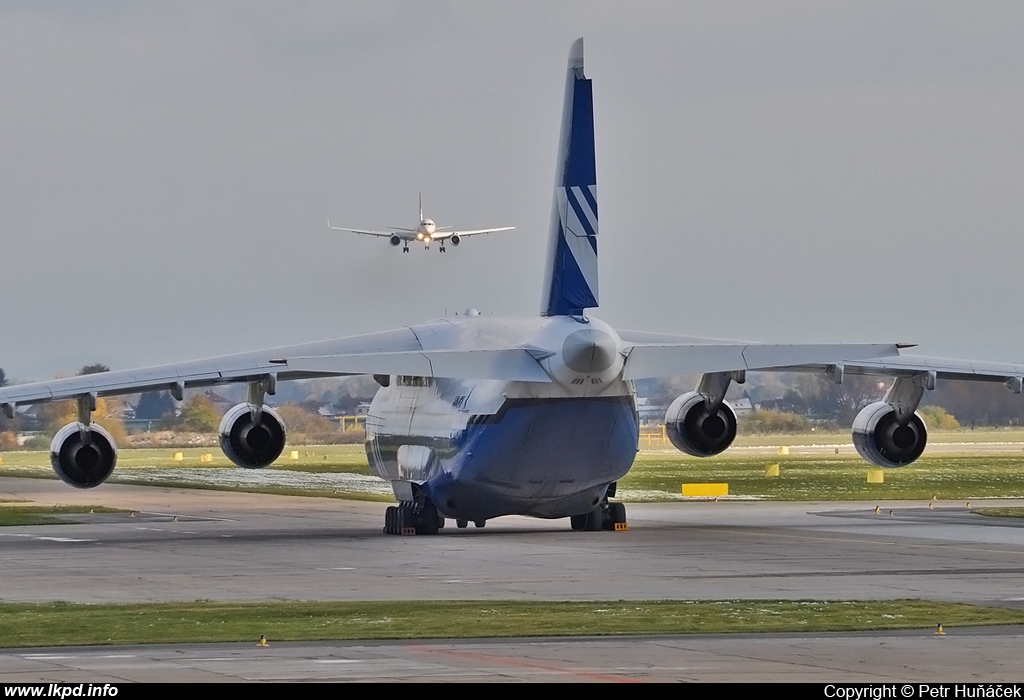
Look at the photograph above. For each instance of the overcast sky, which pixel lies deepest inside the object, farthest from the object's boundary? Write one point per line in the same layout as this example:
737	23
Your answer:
784	171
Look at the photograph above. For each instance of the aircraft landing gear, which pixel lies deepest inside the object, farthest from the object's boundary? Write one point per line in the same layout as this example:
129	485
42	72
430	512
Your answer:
412	519
606	516
442	249
462	524
405	249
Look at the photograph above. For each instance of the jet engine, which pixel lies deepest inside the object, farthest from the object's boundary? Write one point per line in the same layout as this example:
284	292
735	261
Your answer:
395	241
881	440
250	444
455	239
83	458
695	431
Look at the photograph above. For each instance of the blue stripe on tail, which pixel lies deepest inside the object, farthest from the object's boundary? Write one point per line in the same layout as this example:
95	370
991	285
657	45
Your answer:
571	276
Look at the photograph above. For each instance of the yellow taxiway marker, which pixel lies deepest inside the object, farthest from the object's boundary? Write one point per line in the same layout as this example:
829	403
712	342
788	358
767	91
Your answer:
705	489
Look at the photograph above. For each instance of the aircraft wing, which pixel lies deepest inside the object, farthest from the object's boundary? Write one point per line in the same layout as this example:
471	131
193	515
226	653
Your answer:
362	232
448	234
389	352
647	360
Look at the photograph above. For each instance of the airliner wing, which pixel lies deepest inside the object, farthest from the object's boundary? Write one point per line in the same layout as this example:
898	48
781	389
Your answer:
381	234
390	352
448	234
646	360
509	364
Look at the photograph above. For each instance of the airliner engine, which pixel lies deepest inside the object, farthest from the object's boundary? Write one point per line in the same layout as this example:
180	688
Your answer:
695	431
83	457
455	239
249	444
395	240
881	440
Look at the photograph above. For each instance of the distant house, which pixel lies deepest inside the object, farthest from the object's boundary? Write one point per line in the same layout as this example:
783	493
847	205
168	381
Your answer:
328	410
741	406
650	414
220	403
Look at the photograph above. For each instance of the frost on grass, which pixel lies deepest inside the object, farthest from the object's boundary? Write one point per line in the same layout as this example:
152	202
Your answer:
658	495
271	478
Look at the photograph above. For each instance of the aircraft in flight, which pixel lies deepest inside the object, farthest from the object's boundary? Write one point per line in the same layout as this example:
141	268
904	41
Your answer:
478	416
426	233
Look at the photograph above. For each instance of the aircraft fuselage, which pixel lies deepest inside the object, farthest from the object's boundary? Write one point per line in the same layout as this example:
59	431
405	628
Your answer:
482	449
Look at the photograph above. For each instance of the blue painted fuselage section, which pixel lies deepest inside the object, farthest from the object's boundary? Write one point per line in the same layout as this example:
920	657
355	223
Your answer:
480	451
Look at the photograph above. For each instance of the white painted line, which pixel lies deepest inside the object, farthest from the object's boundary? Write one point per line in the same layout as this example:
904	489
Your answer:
337	661
43	537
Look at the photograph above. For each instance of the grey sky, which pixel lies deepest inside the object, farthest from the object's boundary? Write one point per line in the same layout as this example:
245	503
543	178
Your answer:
798	171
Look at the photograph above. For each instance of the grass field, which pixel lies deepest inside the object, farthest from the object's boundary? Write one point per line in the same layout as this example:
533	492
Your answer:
61	624
17	513
341	471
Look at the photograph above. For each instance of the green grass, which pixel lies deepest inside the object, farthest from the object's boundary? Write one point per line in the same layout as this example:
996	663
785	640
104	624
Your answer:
830	478
11	515
1001	512
842	437
59	624
656	475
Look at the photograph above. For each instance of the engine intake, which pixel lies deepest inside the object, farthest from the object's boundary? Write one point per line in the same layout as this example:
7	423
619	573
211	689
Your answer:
455	239
252	445
395	241
881	440
695	431
83	463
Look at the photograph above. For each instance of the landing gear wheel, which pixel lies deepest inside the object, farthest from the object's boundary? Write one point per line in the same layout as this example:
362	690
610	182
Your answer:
616	514
426	520
479	523
578	522
462	524
595	520
390	516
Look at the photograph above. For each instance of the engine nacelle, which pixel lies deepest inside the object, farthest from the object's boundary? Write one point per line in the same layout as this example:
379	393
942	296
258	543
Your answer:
83	463
395	241
881	440
455	239
696	432
252	445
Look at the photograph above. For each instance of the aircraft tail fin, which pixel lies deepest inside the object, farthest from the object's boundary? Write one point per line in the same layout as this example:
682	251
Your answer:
421	206
571	274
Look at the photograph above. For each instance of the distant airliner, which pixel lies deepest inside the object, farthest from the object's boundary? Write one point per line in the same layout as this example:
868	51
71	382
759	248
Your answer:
426	233
482	416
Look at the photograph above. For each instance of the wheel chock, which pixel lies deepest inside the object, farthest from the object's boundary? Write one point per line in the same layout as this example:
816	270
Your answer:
621	527
408	531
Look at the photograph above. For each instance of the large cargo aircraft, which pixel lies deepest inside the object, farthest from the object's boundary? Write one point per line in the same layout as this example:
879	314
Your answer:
482	416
